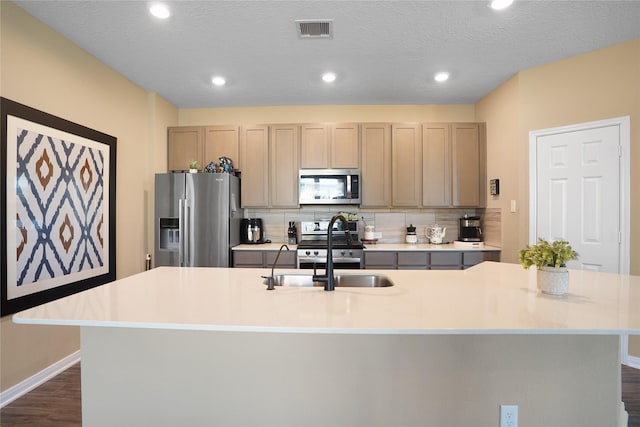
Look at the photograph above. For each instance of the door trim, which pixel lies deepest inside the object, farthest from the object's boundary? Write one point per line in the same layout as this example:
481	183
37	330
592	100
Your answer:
625	142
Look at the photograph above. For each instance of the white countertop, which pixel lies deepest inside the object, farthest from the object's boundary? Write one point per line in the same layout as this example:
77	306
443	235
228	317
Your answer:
378	247
490	298
263	247
455	246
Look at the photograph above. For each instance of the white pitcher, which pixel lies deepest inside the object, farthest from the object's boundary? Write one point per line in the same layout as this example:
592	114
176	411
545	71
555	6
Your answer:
435	234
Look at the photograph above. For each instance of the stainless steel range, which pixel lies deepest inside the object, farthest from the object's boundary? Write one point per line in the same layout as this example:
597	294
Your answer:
312	249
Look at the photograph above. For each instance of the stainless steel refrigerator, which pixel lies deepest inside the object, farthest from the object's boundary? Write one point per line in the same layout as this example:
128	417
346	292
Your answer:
197	219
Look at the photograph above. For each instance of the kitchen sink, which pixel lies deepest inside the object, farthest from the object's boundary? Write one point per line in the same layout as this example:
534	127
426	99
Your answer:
341	280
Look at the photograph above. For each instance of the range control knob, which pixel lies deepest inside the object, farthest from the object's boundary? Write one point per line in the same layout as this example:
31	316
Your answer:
307	253
315	253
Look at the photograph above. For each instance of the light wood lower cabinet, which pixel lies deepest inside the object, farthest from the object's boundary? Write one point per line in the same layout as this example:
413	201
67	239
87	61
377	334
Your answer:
426	260
262	259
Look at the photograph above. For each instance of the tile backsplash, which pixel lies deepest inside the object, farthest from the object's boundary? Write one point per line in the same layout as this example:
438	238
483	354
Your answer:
391	223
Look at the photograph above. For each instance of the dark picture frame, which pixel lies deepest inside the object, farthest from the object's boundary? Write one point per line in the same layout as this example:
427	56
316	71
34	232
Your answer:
58	204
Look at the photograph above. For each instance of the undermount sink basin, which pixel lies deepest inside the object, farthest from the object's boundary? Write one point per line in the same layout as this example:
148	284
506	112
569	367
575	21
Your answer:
341	280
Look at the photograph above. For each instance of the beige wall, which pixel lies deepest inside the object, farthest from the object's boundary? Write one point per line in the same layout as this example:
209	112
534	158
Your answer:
43	70
595	86
327	113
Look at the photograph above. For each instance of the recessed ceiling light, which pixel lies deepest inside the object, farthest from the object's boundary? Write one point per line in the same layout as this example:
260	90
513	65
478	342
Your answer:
441	76
500	4
329	77
218	81
160	10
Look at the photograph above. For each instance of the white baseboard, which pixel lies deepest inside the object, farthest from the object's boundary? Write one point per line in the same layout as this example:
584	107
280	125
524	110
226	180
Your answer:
632	361
623	416
24	387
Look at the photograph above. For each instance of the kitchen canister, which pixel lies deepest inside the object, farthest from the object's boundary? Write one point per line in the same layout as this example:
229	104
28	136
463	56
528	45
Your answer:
411	236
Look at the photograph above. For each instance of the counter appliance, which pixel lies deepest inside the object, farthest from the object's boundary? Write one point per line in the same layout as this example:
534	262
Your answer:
197	219
470	230
251	230
312	248
329	187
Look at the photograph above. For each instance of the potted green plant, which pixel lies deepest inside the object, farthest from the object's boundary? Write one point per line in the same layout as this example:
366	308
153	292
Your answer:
193	166
551	261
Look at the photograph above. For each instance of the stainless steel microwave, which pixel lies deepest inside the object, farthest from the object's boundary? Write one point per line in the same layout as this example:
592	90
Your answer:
329	187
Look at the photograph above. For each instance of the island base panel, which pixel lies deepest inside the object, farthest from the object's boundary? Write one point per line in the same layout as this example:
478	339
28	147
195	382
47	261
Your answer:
144	377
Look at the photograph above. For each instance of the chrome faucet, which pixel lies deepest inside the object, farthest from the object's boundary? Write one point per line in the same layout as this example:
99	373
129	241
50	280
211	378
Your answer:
271	281
328	277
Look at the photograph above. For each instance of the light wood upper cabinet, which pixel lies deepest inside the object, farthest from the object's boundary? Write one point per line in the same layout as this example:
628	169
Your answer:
203	144
468	164
406	165
454	165
344	146
184	144
254	179
221	141
284	166
436	165
314	146
375	160
334	146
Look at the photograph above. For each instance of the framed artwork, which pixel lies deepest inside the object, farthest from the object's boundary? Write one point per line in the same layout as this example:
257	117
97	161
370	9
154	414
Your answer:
58	207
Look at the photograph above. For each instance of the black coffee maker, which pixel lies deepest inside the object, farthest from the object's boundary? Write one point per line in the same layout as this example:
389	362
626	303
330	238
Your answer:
470	230
251	230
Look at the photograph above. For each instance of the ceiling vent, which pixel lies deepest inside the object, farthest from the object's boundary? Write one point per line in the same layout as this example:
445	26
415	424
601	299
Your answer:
315	28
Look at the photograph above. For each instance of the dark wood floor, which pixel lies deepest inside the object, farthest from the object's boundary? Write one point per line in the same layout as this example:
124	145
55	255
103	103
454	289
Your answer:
631	394
56	403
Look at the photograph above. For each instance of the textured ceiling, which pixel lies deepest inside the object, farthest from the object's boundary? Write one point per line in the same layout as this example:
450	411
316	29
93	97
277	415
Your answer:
383	52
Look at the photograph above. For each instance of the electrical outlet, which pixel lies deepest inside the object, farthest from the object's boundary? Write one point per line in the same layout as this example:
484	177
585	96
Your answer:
508	415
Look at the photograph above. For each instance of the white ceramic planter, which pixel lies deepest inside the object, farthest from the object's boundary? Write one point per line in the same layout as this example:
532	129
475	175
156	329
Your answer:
193	170
553	281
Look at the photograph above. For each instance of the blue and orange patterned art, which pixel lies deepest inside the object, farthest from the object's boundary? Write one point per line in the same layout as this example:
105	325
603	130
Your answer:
59	204
59	207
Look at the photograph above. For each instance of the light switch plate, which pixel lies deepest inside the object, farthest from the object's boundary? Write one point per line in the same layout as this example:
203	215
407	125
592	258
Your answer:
514	207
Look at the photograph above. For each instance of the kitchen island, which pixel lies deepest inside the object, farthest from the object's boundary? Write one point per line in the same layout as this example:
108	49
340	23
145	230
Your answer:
210	346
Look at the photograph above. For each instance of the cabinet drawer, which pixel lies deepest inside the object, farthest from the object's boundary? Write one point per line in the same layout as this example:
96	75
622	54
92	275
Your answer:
287	259
473	258
379	259
446	267
247	258
415	259
445	258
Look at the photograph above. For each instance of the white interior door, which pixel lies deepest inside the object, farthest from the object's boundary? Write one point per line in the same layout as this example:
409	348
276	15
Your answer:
577	174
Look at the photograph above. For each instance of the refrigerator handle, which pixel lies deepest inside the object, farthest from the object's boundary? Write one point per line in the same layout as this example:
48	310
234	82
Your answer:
181	231
187	242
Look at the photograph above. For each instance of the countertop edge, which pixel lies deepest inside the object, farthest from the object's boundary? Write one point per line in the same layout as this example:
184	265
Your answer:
320	331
